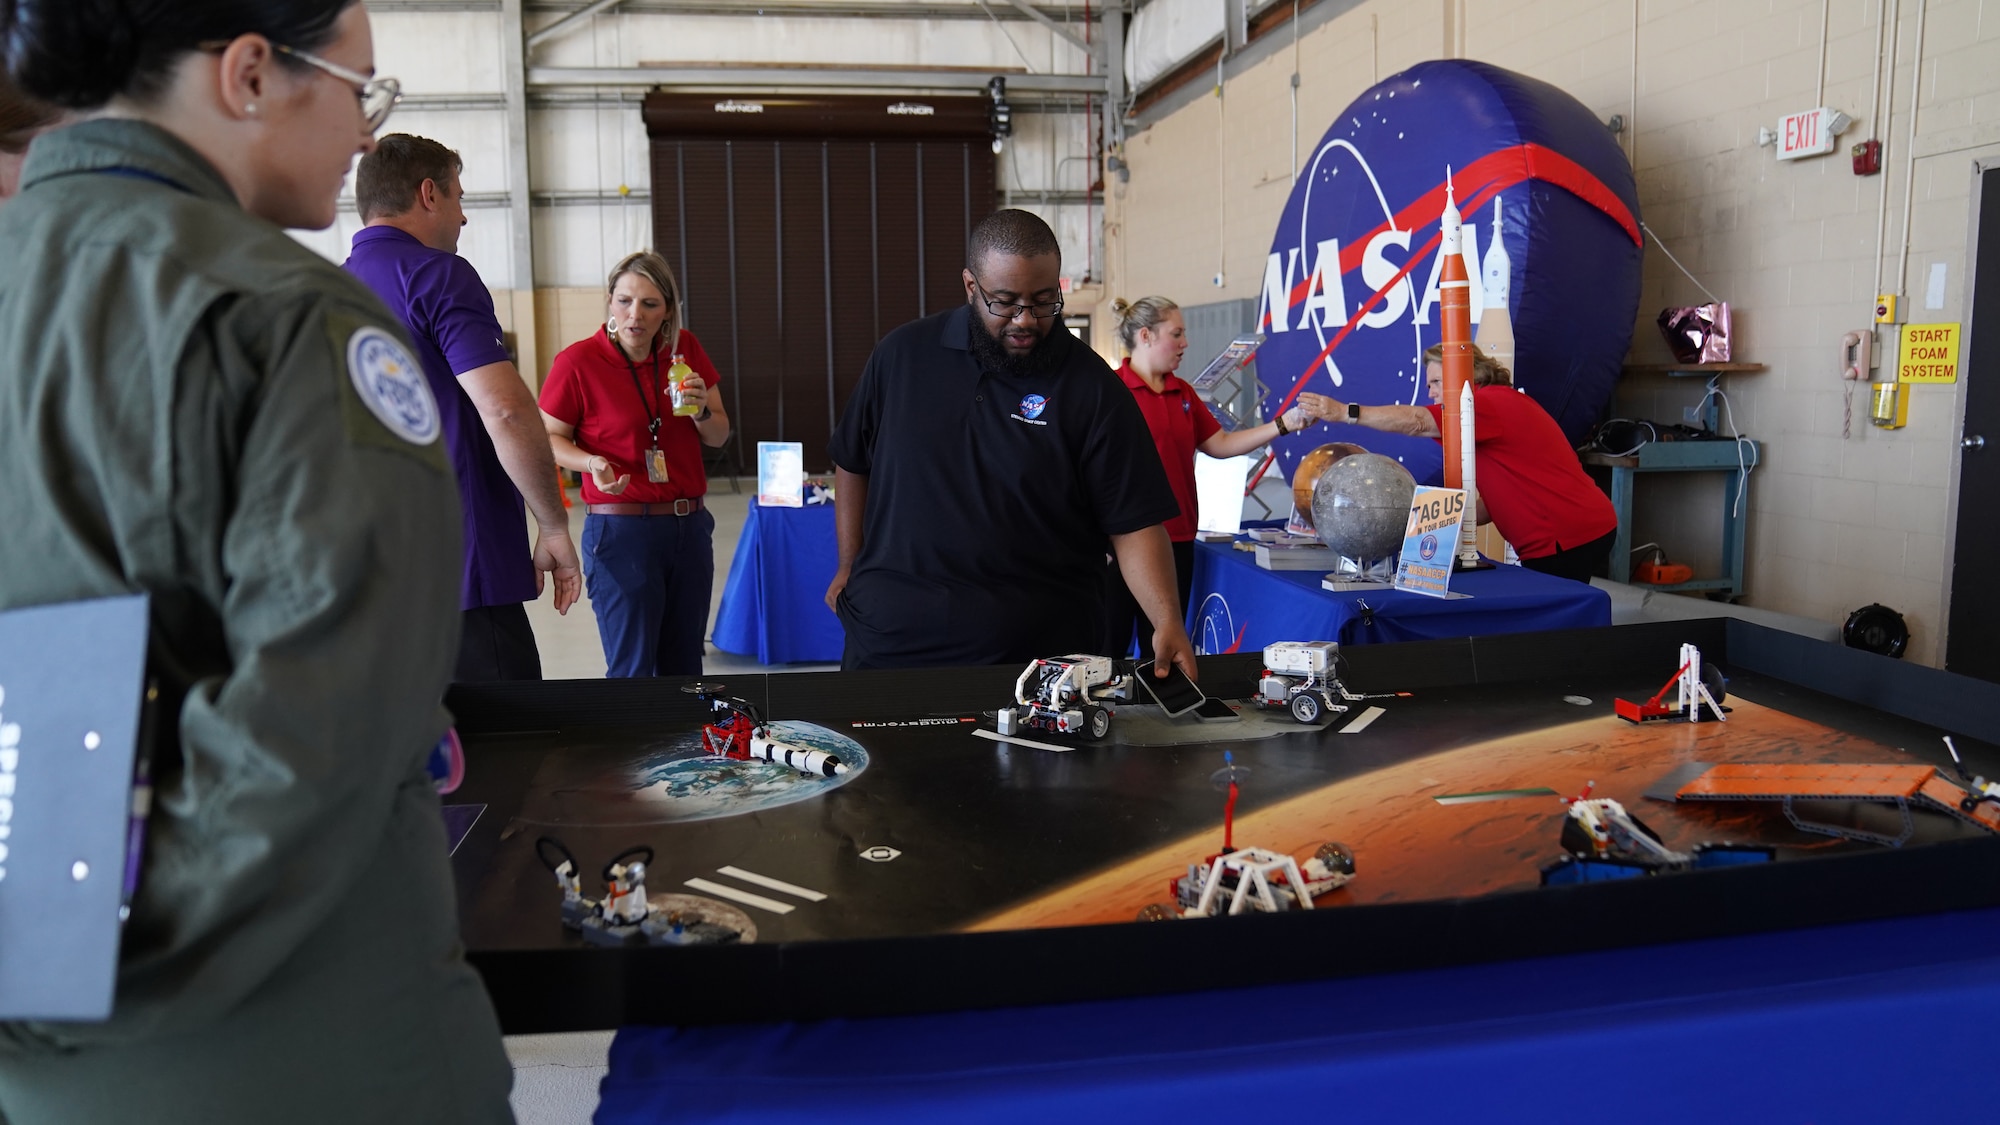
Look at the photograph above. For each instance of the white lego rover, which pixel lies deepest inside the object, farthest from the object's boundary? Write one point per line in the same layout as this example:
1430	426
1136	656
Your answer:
1066	695
1300	676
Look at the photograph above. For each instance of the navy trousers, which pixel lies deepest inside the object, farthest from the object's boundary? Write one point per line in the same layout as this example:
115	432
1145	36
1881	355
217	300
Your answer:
649	580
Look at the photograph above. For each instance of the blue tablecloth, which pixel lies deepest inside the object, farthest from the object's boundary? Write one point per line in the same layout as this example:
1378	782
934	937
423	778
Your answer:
774	603
1880	1021
1236	600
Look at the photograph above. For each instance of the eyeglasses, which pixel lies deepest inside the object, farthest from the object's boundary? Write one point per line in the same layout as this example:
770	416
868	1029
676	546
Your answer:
378	95
1010	310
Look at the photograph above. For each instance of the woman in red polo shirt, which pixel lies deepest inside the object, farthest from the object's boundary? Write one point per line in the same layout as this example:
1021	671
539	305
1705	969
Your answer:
648	543
1531	485
1155	338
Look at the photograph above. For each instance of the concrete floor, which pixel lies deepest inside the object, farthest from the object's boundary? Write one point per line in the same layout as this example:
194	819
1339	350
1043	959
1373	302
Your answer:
556	1076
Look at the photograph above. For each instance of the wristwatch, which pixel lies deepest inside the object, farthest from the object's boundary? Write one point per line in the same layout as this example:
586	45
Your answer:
1354	412
1279	421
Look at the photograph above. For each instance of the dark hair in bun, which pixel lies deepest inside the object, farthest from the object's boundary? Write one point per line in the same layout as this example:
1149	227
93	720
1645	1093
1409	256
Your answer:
83	53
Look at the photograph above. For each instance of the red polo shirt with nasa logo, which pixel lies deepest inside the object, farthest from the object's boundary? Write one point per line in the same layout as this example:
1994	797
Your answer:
1180	422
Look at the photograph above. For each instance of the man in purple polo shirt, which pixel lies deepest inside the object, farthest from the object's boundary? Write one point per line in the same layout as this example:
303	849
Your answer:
412	204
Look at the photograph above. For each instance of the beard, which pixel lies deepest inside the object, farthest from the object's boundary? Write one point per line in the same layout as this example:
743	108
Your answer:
994	356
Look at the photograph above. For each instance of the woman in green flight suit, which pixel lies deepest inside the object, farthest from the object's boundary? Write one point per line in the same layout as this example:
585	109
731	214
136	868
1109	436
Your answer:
194	406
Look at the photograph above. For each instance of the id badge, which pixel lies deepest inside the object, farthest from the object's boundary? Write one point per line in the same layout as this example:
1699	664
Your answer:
656	466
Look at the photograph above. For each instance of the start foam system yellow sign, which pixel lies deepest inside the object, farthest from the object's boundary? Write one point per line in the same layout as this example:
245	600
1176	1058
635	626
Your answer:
1929	354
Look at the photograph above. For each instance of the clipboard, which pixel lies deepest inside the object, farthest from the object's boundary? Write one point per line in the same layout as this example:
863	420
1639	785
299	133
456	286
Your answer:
74	717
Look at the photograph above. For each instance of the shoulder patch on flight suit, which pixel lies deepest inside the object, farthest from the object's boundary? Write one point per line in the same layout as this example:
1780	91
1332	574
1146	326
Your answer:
385	401
392	386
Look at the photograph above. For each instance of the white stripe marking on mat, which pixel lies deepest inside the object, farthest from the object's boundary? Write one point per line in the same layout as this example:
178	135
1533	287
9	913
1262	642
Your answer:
998	737
1362	720
771	884
744	897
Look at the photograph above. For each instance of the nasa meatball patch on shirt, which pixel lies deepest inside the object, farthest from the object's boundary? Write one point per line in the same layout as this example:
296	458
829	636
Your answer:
1031	410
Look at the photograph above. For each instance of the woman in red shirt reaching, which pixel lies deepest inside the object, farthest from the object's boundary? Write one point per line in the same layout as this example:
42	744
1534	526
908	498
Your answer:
1531	484
1155	336
610	408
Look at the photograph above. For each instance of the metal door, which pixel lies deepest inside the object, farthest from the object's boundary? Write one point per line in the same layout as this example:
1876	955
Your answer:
1972	644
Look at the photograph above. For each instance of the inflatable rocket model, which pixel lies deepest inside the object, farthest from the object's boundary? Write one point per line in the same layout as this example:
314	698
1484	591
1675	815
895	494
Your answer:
1455	333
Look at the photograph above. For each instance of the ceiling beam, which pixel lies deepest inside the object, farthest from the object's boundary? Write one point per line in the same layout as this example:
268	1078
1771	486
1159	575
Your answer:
854	9
1059	30
827	78
569	21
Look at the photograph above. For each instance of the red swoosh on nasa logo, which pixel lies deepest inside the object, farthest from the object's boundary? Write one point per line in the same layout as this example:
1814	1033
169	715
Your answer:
1480	181
1483	179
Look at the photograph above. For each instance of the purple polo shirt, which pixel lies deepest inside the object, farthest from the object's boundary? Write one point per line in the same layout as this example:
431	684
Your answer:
450	316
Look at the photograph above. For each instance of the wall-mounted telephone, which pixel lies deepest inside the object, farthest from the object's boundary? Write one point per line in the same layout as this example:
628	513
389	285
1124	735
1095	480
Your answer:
1856	348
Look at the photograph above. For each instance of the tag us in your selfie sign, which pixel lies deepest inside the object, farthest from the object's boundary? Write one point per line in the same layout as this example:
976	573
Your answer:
1430	542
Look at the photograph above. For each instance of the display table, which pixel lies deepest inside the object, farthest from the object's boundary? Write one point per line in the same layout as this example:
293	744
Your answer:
774	603
1833	1024
1239	606
960	941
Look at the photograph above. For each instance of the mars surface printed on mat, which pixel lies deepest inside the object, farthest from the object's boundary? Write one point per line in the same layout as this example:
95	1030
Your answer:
946	831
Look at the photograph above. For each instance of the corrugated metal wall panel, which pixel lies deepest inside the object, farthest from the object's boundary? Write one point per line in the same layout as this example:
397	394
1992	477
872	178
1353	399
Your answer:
856	321
838	237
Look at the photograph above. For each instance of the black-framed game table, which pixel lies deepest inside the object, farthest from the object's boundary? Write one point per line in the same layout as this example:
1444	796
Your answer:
984	826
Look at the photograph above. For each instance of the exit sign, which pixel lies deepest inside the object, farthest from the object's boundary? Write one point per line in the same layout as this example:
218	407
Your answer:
1806	134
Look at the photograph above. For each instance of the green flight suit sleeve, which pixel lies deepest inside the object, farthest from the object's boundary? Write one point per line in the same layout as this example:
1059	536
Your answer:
336	540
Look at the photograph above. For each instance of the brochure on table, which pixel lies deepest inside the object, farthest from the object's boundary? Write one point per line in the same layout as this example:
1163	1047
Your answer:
1430	542
781	474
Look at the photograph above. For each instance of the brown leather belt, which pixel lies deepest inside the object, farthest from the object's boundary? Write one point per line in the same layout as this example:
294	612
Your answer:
683	507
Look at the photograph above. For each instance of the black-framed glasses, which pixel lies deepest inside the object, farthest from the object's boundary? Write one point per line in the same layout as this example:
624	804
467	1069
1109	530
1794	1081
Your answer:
1010	310
378	96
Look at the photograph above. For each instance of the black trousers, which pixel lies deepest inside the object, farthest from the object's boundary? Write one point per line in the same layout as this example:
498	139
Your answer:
1122	615
1578	563
497	644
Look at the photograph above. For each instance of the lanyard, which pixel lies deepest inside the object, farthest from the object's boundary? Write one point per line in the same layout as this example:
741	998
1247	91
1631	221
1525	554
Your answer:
653	415
143	174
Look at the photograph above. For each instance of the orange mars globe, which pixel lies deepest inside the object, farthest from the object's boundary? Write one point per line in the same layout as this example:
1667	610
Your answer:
1310	467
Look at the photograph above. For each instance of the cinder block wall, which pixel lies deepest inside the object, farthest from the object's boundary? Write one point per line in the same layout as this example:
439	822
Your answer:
1835	522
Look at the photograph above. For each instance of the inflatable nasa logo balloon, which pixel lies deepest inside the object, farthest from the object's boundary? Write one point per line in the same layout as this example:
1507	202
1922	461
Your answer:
1349	299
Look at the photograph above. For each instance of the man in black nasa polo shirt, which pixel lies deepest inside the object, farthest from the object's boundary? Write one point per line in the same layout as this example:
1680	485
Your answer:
983	467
